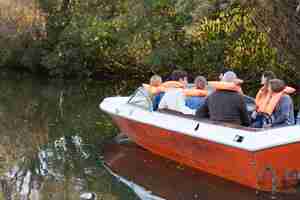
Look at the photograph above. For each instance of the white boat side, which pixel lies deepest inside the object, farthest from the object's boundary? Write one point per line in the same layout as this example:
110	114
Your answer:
252	140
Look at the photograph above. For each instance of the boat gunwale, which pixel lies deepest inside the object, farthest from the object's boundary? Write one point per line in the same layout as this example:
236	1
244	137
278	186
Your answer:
252	150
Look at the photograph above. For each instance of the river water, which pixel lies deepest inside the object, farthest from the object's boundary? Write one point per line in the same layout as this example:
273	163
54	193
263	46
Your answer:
52	135
56	144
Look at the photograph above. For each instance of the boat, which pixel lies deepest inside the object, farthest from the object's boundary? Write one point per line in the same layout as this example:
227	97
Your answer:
265	159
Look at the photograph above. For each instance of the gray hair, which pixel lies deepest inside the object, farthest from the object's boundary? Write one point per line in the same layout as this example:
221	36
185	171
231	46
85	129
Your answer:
200	81
229	76
155	79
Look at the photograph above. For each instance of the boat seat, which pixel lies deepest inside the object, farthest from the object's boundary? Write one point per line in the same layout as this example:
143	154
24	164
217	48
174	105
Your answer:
173	112
176	113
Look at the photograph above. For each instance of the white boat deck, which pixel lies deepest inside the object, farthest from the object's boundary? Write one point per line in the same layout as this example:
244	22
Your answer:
244	139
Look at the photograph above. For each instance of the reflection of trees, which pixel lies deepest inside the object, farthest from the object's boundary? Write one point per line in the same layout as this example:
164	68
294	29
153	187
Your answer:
23	127
39	156
54	174
24	130
26	162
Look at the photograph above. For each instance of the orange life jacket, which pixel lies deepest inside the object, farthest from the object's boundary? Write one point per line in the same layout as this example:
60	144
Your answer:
163	87
170	84
187	92
152	89
267	101
221	85
262	92
193	92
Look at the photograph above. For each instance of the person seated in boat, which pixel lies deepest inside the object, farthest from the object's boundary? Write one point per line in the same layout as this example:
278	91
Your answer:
174	97
259	120
284	110
226	104
154	85
249	101
264	90
195	96
154	90
277	105
155	80
238	82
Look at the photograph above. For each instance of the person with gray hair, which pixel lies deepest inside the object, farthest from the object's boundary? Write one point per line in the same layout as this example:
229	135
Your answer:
200	82
226	104
196	101
174	98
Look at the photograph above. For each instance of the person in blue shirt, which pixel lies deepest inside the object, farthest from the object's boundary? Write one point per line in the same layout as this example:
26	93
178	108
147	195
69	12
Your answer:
283	114
195	102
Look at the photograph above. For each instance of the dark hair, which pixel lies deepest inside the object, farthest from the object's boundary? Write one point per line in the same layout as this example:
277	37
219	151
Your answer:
277	85
178	74
269	75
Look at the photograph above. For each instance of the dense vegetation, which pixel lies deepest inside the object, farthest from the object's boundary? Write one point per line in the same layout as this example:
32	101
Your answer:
133	38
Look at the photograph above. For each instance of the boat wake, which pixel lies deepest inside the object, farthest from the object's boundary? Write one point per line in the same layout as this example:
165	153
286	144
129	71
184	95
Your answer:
140	191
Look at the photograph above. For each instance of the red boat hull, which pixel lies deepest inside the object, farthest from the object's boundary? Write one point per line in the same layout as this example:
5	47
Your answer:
268	170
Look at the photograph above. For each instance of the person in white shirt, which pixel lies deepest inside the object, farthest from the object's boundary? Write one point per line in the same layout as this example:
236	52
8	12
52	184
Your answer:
174	98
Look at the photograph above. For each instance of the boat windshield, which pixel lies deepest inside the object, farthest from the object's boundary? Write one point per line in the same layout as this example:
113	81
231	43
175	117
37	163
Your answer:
141	98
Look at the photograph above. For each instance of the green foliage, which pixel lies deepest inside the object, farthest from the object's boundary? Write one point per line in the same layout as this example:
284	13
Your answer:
138	38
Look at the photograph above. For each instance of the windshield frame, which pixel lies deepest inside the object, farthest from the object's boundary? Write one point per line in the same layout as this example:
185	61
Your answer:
148	99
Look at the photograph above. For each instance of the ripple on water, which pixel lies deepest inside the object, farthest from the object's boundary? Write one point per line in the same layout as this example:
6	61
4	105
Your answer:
51	139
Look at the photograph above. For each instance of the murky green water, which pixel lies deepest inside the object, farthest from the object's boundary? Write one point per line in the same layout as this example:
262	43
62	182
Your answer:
54	141
52	135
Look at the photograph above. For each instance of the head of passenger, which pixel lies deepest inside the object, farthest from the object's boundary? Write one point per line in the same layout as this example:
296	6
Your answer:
231	77
180	76
283	113
226	103
266	77
276	85
200	82
155	80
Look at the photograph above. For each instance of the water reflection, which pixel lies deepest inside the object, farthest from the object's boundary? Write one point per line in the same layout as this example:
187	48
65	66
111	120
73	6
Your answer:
172	181
25	180
141	192
52	134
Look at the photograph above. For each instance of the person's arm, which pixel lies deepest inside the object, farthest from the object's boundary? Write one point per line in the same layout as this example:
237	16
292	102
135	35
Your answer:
245	120
284	109
203	111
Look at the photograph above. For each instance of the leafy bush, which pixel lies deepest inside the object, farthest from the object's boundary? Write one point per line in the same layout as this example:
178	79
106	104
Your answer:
134	39
22	29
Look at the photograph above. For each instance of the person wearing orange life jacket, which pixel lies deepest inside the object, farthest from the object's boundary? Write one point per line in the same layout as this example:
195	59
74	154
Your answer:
154	85
154	90
226	104
238	82
174	98
195	97
259	119
278	104
264	90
